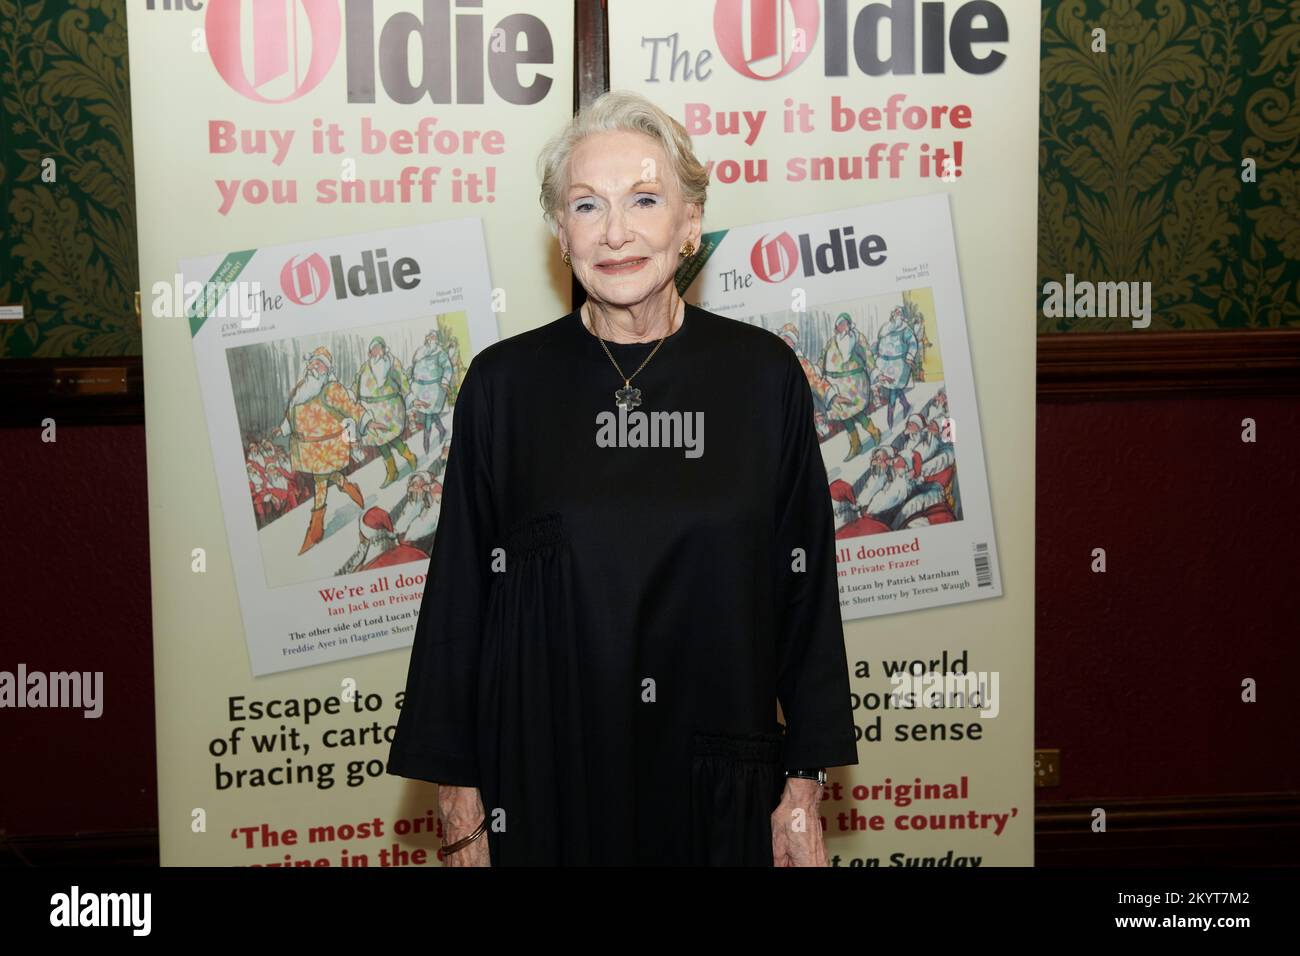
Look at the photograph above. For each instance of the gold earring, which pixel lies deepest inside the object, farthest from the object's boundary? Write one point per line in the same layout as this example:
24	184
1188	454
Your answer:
688	248
567	261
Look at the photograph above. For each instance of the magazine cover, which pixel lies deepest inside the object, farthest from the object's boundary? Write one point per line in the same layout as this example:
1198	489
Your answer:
870	301
329	371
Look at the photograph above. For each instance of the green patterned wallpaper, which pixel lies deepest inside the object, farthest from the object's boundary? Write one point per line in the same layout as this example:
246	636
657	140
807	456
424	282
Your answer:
1140	152
1140	158
66	181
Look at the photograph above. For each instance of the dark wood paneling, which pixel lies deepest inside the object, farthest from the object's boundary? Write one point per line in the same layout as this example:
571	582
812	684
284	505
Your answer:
590	78
591	52
1230	830
1128	365
124	848
34	389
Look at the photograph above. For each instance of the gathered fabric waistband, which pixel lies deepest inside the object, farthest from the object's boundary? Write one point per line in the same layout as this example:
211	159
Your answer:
534	534
763	748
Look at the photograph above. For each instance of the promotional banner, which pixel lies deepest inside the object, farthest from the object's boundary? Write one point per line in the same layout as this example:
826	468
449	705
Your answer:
278	443
337	209
882	321
915	125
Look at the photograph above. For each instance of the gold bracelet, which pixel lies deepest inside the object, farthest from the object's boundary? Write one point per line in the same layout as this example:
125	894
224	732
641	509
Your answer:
464	841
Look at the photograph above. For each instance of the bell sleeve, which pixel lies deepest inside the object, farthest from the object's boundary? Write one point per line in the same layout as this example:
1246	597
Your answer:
436	736
812	666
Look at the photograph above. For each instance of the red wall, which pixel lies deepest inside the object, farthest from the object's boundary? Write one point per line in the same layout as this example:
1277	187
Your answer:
75	567
1138	669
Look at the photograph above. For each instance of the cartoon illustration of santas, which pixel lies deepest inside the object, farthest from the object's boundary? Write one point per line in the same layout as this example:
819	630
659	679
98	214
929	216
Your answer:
322	423
378	546
431	373
381	387
847	363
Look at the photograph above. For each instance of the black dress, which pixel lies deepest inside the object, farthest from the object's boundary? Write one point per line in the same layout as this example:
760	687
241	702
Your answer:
605	631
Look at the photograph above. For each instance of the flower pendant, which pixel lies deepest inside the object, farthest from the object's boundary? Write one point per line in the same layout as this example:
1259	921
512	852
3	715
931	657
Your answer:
628	397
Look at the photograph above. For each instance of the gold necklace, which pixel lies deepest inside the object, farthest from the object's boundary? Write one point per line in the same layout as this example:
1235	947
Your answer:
627	396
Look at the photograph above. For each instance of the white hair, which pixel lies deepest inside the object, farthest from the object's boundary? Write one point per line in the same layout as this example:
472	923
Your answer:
619	110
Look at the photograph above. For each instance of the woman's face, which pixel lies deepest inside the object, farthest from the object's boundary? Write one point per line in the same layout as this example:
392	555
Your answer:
623	221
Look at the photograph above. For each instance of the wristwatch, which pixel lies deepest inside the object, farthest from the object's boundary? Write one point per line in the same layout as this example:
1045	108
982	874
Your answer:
818	774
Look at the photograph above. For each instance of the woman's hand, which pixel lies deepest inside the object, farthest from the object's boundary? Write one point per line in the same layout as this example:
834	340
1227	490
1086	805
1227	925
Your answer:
797	825
461	810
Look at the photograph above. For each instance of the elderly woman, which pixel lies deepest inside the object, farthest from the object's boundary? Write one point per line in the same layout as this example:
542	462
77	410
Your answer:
614	606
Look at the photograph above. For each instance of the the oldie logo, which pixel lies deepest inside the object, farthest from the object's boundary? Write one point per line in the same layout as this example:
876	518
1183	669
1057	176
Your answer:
306	279
769	39
776	258
275	52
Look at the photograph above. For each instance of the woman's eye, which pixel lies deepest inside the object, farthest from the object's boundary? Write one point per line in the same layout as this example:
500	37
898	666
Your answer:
651	200
583	205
